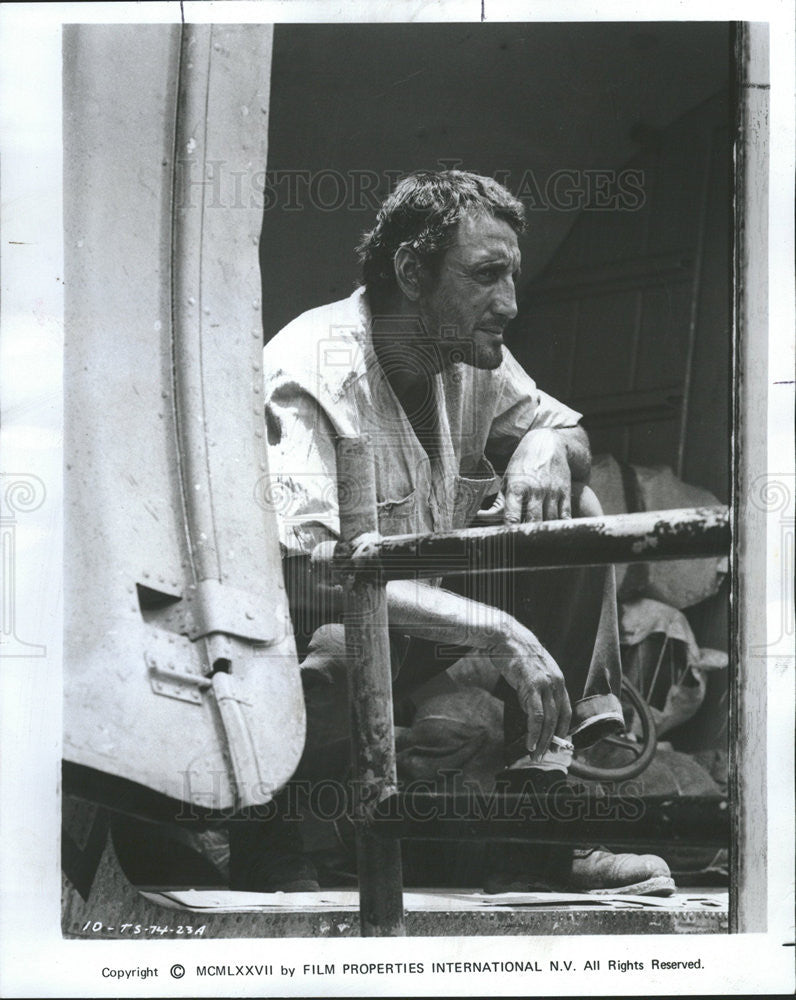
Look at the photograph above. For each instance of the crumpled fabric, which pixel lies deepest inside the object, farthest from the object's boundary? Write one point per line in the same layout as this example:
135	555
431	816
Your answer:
459	730
680	583
682	703
643	617
212	844
640	618
669	773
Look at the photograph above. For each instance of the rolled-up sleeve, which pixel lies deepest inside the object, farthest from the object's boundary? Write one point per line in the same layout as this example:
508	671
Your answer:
522	407
302	469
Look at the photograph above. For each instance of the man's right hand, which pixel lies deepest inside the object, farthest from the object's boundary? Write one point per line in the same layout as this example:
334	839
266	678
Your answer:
536	677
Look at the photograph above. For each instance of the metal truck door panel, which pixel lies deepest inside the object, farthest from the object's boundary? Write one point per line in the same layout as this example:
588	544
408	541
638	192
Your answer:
181	671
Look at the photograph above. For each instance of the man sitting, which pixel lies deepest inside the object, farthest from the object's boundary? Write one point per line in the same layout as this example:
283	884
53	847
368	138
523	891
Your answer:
415	358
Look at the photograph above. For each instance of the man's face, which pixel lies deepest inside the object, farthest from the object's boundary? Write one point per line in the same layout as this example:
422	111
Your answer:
473	299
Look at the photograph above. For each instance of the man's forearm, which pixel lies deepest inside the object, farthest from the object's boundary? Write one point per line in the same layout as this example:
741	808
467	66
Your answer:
426	612
413	607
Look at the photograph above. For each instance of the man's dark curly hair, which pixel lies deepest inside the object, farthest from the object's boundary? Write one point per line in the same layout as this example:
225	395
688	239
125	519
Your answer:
422	213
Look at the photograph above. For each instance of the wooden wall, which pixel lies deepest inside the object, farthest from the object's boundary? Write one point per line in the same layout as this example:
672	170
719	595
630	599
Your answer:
630	321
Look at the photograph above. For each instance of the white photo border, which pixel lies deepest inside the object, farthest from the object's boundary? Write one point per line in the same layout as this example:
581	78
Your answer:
35	960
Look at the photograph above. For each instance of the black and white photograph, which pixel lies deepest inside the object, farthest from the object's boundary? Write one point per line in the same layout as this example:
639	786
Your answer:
397	500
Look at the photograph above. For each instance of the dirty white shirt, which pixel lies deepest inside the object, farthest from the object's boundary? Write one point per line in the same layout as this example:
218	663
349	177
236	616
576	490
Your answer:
322	380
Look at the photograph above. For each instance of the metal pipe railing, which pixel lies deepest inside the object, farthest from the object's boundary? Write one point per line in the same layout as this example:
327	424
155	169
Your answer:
364	561
687	533
626	817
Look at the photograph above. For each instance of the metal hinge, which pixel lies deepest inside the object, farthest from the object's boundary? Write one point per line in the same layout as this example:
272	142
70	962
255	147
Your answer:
173	683
216	607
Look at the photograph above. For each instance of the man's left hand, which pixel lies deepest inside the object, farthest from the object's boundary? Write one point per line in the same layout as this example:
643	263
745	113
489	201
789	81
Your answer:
538	481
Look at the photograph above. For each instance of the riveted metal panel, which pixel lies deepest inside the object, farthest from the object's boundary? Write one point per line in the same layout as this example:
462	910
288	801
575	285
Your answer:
164	440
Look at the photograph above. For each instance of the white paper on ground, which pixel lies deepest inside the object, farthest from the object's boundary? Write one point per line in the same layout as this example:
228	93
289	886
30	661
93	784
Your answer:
224	901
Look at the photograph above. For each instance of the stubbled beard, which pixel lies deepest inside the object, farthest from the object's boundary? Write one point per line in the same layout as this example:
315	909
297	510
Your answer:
483	356
488	357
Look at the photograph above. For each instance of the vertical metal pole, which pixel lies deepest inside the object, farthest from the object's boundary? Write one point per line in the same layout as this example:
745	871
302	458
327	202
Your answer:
370	698
748	681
